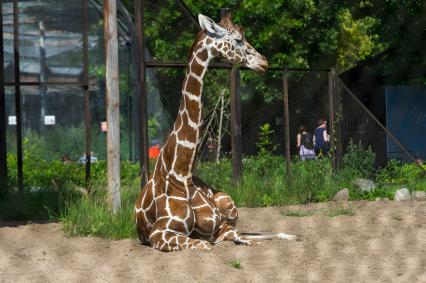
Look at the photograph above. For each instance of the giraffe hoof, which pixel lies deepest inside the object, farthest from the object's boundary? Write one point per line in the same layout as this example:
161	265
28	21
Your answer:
285	236
243	241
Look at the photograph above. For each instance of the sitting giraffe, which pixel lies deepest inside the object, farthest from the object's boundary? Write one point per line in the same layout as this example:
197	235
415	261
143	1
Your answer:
175	210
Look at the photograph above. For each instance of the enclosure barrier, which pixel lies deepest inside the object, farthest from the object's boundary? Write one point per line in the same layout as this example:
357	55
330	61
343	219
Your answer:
236	101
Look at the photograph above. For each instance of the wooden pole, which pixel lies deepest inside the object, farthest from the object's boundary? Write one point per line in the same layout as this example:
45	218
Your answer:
17	95
286	125
3	150
140	65
112	103
237	158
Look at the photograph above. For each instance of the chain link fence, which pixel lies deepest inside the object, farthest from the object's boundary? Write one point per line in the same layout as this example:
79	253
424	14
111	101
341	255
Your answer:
52	81
51	68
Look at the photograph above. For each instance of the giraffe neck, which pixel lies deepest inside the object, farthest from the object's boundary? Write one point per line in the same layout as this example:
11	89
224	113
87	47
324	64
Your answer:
180	149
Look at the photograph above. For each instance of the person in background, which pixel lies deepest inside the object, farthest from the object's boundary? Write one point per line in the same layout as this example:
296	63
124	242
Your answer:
66	159
154	149
322	138
305	144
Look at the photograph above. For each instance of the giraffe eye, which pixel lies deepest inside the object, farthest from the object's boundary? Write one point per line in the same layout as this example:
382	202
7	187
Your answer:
239	41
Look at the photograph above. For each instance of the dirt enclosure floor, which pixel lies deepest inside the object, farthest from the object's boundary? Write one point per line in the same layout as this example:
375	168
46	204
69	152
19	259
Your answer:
369	242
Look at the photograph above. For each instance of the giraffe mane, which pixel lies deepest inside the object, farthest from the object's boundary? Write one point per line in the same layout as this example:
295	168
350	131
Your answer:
197	40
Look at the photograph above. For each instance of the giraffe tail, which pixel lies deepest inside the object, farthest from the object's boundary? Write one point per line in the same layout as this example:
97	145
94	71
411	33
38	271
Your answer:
268	236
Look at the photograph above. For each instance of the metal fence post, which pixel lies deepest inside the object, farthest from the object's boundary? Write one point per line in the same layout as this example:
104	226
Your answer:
140	65
3	150
237	161
87	117
331	98
286	124
338	119
17	94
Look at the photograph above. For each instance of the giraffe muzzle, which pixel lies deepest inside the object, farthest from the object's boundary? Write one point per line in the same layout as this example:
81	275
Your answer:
262	66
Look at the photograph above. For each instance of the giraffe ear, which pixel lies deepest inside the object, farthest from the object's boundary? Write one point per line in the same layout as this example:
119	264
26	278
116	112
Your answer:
208	24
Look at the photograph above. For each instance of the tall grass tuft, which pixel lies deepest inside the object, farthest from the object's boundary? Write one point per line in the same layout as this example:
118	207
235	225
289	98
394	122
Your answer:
92	216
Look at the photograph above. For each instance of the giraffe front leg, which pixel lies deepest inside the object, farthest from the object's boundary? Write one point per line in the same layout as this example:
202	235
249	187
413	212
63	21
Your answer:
230	233
168	240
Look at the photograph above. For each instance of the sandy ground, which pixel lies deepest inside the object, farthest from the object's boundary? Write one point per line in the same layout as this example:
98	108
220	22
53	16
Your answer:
382	242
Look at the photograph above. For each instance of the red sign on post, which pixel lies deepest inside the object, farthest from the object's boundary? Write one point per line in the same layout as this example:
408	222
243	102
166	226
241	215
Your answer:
104	126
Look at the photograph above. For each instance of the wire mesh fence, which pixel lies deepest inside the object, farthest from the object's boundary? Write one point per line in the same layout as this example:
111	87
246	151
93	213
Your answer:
52	87
48	39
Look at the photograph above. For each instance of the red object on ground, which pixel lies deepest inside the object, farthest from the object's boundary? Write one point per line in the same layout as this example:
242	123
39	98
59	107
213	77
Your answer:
153	152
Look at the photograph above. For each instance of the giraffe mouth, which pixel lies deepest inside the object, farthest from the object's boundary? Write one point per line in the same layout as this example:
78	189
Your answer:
260	70
261	67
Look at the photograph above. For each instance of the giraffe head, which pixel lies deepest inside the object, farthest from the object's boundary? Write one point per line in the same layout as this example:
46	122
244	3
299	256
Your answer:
227	41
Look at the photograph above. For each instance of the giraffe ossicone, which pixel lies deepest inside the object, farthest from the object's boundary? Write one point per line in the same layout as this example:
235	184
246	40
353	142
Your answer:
176	210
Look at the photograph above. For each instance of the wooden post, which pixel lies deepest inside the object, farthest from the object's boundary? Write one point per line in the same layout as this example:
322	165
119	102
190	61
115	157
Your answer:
331	96
237	158
17	95
286	125
140	65
112	103
87	116
3	150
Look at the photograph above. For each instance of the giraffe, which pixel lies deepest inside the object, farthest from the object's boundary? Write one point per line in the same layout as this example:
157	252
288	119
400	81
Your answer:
176	210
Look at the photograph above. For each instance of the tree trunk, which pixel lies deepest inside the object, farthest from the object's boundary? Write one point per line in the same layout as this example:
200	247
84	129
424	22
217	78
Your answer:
112	101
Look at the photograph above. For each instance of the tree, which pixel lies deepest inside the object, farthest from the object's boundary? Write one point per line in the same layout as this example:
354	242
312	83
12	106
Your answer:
112	102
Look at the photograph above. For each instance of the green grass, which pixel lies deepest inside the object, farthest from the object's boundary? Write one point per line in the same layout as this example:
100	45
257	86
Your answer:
339	210
297	213
264	183
92	216
236	264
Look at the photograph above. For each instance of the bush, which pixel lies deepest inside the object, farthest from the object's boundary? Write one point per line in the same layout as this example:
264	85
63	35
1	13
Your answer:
397	173
92	215
359	160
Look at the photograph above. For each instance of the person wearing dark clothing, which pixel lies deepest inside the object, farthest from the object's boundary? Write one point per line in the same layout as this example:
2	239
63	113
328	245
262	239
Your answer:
305	144
322	139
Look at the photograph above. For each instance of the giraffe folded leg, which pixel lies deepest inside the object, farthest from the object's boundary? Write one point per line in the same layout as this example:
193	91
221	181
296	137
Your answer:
171	234
230	233
167	241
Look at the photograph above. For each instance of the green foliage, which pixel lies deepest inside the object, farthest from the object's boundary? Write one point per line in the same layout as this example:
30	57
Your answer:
359	159
92	216
397	173
265	144
236	264
356	41
153	126
53	174
264	182
307	33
